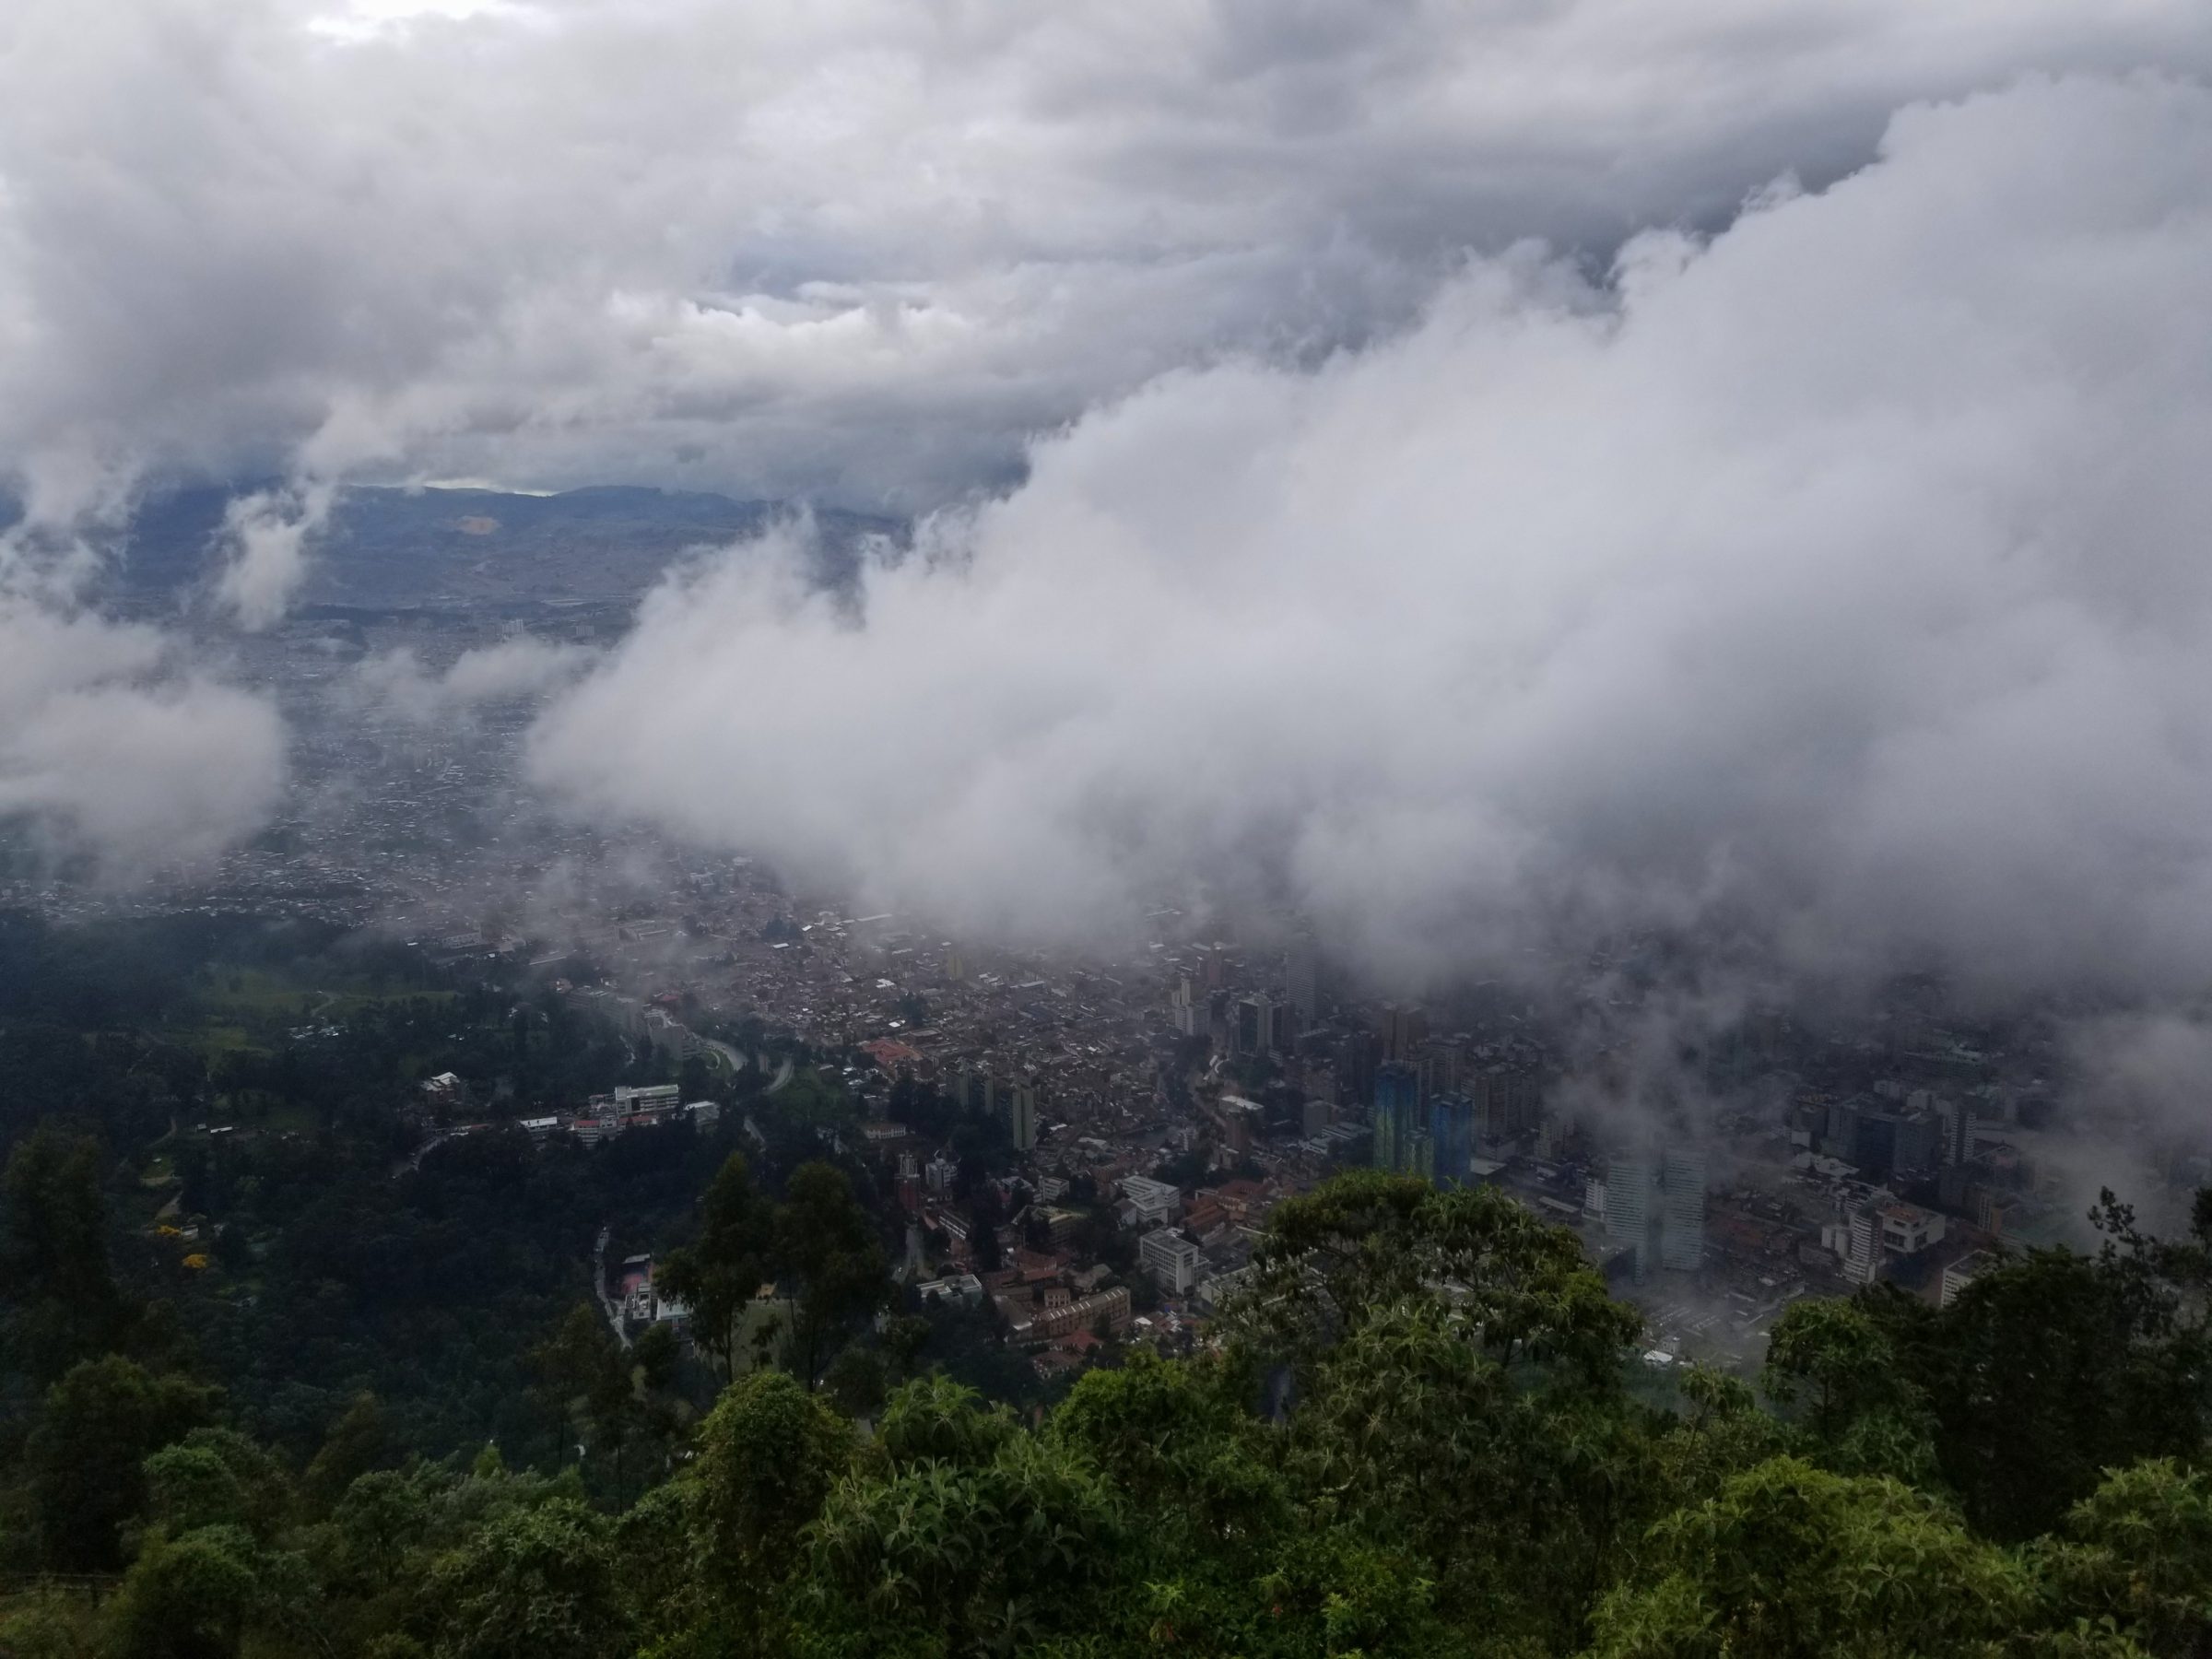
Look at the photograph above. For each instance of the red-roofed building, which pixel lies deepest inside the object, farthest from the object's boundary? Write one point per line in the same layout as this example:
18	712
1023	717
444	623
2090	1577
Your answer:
889	1054
1204	1214
1242	1200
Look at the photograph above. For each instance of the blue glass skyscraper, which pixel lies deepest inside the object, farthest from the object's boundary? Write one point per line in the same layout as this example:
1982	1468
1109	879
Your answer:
1452	1137
1397	1106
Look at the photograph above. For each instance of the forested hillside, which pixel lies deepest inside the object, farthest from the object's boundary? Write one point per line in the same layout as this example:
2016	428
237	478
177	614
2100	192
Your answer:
239	1104
1423	1434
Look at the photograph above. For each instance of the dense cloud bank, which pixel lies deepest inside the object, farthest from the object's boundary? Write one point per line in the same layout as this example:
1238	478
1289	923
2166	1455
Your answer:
1846	573
866	252
111	746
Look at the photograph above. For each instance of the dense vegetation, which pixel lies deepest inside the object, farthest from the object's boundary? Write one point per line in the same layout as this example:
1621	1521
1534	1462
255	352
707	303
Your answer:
1419	1437
380	1418
322	1261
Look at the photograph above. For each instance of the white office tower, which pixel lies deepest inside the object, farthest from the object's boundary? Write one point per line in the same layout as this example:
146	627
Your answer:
1862	1250
1171	1260
1682	1207
1631	1182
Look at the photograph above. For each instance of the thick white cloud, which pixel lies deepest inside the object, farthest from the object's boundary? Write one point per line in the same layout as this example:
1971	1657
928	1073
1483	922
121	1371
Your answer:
1845	575
866	251
266	533
109	746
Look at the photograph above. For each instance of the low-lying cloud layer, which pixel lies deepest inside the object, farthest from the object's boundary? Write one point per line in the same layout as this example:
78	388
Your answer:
109	746
1843	576
398	682
866	252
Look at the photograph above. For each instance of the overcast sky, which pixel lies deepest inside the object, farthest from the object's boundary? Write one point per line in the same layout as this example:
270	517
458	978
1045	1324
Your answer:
860	248
1461	466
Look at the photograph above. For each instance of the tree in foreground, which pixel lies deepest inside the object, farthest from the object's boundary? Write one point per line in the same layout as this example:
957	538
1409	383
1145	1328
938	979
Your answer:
827	1243
86	1459
718	1275
541	1582
53	1255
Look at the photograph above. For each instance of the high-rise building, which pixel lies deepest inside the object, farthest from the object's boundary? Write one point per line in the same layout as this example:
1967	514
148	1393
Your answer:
1248	1026
1355	1057
1880	1138
1402	1027
1398	1097
1302	977
1632	1185
1507	1100
1451	1138
1187	1007
1420	1155
975	1090
1861	1249
1020	1098
1955	1125
1917	1153
1682	1207
1873	1236
1839	1129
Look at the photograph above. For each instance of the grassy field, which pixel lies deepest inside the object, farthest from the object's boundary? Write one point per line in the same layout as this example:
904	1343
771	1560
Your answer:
211	1039
242	1009
256	990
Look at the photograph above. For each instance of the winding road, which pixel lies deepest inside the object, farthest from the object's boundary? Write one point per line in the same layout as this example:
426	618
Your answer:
608	1304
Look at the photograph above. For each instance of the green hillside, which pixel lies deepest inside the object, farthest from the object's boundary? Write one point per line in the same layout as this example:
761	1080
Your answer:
1417	1436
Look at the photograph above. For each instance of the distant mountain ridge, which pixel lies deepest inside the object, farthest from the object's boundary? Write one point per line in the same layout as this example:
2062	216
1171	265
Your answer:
391	547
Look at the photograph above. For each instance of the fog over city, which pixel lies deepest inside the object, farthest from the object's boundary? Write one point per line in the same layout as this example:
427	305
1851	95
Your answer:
843	828
1834	576
1490	486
